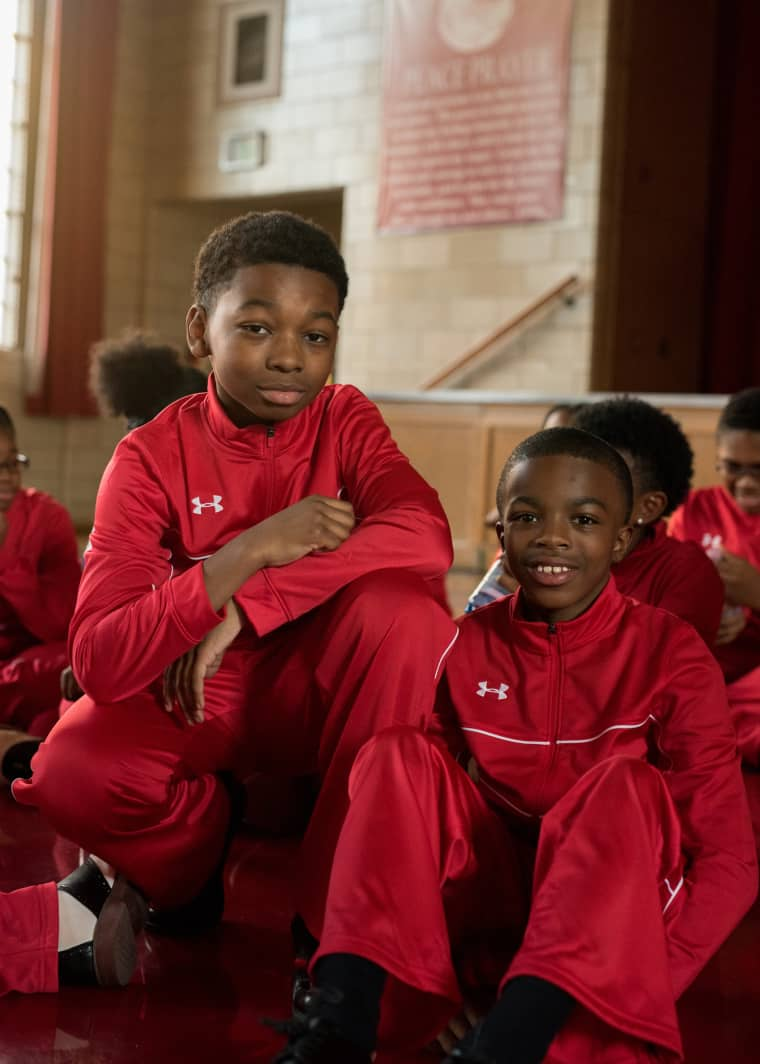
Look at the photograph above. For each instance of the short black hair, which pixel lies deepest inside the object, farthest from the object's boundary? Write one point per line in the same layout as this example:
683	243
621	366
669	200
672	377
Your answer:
575	444
741	412
263	237
572	409
662	456
136	376
6	423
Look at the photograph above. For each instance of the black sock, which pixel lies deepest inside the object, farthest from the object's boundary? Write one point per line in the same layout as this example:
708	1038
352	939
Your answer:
304	943
524	1021
16	763
355	1012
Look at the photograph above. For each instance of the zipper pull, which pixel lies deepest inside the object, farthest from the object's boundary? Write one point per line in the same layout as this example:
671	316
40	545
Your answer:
270	435
552	629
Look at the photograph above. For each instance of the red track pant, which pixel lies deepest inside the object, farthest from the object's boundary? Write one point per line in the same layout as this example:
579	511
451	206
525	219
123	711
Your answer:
29	940
136	786
423	865
744	703
30	687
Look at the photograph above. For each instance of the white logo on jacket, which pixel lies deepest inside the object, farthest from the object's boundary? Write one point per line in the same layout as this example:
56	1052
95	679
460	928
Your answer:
215	504
710	542
500	691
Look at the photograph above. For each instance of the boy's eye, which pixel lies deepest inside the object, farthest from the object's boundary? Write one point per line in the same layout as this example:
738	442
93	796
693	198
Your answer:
255	327
585	519
522	518
317	338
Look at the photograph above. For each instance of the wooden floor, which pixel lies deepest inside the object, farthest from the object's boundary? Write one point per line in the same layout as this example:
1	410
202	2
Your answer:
202	1000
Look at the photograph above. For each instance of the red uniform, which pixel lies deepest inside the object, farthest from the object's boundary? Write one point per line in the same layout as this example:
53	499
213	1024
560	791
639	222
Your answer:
608	776
29	940
711	518
39	575
338	644
675	576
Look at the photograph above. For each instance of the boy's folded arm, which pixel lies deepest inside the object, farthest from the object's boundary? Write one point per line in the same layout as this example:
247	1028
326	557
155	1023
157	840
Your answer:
41	585
131	619
704	778
400	525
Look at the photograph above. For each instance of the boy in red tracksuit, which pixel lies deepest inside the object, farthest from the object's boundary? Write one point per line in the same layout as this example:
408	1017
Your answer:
39	576
657	569
257	592
598	840
724	521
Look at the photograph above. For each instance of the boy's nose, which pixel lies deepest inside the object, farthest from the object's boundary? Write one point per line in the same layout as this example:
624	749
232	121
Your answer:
285	354
554	531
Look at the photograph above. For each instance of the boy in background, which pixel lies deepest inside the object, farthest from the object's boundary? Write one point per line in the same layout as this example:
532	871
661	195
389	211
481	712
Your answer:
725	522
599	833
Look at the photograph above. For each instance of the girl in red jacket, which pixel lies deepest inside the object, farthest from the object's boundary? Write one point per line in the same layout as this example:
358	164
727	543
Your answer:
580	811
39	575
724	521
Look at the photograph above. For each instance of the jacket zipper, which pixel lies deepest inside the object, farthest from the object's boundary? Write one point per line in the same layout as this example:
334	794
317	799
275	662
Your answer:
270	470
555	708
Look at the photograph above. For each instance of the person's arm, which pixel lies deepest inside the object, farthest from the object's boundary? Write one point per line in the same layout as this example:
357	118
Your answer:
40	579
400	524
741	580
702	770
694	592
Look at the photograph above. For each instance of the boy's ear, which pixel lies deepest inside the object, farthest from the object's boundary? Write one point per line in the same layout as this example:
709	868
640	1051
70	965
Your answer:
499	526
196	325
622	543
649	507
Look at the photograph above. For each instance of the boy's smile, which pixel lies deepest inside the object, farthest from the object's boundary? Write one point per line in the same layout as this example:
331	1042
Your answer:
564	523
739	466
271	339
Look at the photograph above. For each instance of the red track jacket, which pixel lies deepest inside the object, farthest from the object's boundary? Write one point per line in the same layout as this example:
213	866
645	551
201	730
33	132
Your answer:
537	706
39	573
711	518
677	577
182	486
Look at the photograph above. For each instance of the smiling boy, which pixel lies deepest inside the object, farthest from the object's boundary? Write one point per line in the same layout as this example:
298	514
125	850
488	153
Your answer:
599	841
256	592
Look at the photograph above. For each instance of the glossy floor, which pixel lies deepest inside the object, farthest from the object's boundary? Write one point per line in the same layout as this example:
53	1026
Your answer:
203	1000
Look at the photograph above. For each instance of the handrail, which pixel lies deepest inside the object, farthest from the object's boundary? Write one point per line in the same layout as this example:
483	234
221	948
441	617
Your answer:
565	288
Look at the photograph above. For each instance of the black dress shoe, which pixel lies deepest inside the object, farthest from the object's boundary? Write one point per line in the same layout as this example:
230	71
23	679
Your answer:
304	948
110	957
313	1039
205	911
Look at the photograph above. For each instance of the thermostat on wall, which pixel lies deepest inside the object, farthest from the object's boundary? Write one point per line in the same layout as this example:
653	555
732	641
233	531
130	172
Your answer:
242	150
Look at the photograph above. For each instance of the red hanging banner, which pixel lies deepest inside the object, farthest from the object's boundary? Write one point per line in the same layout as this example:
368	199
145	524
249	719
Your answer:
475	112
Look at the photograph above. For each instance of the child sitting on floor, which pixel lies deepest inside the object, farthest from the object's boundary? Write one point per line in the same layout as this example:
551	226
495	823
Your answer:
725	523
601	834
39	575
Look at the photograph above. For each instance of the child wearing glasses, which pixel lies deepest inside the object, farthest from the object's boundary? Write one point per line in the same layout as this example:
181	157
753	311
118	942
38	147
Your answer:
39	576
725	521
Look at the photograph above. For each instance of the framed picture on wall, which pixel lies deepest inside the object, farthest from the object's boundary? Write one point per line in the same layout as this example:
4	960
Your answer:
250	50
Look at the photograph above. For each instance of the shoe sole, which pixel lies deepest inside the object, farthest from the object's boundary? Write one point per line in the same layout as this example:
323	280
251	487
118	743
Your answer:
123	893
114	949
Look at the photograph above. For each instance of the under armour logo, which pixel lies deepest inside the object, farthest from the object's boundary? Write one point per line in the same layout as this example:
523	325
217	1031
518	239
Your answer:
215	504
500	691
710	542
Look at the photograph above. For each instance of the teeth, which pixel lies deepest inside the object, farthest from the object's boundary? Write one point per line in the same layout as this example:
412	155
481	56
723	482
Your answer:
552	569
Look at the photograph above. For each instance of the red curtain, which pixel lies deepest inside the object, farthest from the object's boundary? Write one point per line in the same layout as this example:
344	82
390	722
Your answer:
70	307
732	333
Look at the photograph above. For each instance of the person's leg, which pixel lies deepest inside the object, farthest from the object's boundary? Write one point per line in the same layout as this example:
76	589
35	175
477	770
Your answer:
30	685
606	884
375	651
744	704
29	940
420	857
132	784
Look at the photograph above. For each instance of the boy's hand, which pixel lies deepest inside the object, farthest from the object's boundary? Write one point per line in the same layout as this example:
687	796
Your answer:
733	620
457	1029
316	523
184	679
740	579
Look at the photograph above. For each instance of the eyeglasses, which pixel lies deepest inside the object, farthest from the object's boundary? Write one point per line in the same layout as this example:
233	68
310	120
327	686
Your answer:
737	469
14	465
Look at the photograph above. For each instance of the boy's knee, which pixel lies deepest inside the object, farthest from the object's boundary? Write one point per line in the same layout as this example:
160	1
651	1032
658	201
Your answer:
400	749
391	590
618	776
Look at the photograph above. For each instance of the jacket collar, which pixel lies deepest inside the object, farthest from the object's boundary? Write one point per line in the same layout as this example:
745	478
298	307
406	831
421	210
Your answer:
600	619
258	440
